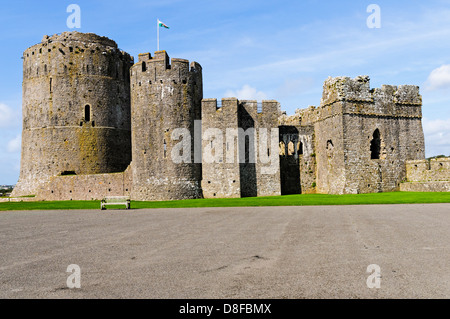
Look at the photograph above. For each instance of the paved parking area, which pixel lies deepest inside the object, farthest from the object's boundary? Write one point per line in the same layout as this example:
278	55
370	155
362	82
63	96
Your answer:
255	252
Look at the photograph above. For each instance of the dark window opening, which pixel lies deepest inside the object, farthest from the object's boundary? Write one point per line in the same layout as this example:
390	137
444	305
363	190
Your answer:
51	84
247	149
65	173
375	145
300	148
330	145
144	67
87	113
165	148
330	148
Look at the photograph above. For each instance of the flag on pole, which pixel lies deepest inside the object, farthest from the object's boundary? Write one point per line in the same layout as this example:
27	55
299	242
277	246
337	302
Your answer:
161	24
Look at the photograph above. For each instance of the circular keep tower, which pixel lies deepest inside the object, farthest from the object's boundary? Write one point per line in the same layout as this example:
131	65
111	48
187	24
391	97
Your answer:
76	109
165	104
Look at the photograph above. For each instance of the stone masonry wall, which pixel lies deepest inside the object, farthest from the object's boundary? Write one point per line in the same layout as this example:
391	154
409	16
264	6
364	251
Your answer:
220	166
351	120
427	176
86	187
166	102
240	154
259	163
76	109
297	159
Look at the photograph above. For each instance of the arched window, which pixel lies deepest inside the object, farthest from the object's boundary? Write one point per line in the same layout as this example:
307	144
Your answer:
375	145
330	148
282	149
290	148
144	66
87	113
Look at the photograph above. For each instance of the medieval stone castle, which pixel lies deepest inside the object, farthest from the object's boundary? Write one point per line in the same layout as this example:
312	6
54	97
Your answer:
96	124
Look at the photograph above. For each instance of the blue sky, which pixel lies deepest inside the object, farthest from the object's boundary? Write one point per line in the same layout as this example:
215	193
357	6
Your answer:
251	49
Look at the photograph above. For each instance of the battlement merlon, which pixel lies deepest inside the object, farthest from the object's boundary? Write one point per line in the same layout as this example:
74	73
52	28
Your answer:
340	89
227	105
161	59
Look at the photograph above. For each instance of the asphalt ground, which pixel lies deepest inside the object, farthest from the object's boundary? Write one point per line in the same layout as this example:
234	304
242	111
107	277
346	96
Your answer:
208	253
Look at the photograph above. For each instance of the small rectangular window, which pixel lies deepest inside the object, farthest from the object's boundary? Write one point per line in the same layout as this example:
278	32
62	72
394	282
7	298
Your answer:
87	113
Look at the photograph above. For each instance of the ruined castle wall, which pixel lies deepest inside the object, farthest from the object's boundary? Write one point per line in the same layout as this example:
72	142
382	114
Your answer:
165	100
297	159
436	169
86	187
330	159
220	161
396	113
354	114
427	176
259	164
76	109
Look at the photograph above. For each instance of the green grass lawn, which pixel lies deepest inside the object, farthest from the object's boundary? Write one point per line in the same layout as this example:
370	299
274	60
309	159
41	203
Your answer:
287	200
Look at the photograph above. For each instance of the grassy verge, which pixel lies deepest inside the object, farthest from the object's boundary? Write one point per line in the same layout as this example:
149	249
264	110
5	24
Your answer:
287	200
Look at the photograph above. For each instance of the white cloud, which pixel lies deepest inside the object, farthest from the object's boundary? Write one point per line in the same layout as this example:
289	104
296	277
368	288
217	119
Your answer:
294	87
246	93
437	136
439	78
14	145
7	116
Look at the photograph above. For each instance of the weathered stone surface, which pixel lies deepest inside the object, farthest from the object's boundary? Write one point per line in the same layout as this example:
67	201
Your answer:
427	176
86	187
165	97
239	148
353	119
87	111
76	109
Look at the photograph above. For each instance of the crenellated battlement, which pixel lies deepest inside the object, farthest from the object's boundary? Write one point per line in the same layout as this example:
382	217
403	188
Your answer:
345	89
433	170
76	54
151	70
266	111
343	95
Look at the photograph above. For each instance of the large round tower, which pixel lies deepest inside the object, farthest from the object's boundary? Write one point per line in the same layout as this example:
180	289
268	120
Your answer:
165	101
76	109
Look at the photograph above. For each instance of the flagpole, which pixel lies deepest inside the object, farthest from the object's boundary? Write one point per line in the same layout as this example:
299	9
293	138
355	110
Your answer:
157	32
